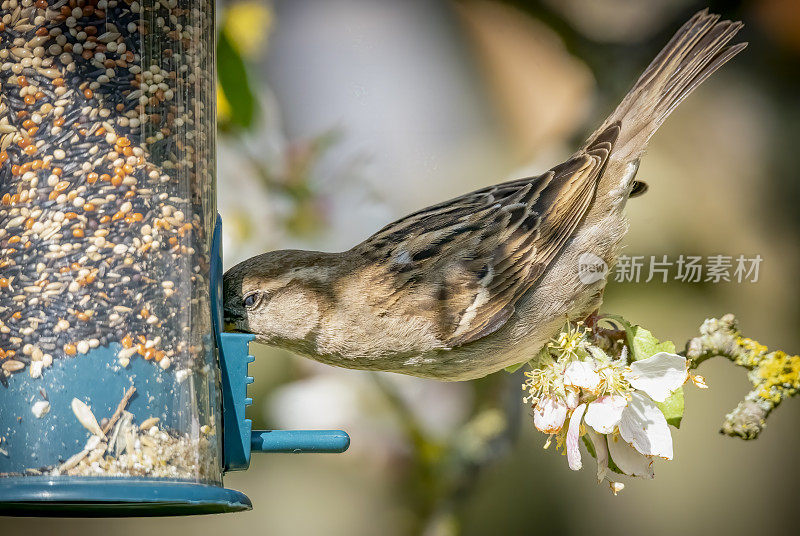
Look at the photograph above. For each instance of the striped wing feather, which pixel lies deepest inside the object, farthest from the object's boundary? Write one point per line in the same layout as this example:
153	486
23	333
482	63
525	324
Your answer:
467	261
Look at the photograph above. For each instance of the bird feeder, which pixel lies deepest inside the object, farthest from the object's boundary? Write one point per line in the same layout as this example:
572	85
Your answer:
120	394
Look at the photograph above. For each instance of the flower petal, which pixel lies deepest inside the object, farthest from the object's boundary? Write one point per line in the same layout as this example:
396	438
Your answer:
574	438
549	415
573	396
658	375
600	451
628	459
604	413
581	374
644	426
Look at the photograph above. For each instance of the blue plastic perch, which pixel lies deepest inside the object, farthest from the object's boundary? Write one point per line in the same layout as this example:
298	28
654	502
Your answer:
299	441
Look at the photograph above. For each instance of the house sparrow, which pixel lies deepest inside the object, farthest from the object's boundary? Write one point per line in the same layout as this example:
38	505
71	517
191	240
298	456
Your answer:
467	287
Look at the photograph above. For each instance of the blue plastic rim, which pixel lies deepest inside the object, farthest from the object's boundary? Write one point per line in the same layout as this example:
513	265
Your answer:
114	497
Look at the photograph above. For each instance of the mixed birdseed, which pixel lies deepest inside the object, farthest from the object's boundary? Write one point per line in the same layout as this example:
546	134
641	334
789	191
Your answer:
106	182
105	178
124	448
144	452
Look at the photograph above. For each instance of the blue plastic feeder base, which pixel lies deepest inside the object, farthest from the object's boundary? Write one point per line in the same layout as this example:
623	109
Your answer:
114	497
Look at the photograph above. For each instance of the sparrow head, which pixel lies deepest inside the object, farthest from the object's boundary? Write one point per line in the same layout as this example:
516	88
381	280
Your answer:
277	296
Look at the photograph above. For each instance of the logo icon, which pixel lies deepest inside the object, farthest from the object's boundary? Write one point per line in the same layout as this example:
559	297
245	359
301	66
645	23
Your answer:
591	268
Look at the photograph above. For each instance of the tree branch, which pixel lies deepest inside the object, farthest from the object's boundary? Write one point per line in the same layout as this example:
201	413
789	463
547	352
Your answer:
775	375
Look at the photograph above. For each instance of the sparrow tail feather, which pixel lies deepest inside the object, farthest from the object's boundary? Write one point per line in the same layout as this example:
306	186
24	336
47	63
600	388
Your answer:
694	53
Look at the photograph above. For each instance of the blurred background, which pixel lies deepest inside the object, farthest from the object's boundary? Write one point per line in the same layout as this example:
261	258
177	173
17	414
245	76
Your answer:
338	116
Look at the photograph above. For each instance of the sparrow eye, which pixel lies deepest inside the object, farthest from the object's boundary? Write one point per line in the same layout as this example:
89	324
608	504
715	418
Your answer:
250	300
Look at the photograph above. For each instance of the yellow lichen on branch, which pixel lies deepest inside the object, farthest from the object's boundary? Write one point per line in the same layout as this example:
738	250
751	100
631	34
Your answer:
775	375
779	376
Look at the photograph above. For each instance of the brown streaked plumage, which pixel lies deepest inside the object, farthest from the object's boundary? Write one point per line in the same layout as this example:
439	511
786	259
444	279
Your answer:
466	287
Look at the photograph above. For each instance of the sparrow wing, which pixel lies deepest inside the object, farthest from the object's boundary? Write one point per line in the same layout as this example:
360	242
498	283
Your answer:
464	263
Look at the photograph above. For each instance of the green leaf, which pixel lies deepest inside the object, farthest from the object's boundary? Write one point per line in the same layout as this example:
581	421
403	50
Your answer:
533	363
589	446
232	76
643	344
672	408
514	368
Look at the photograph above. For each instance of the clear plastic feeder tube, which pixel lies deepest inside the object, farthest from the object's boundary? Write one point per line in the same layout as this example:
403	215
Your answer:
107	212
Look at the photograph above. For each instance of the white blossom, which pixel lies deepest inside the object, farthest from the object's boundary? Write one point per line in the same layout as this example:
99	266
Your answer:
574	438
581	374
605	413
628	459
659	375
616	401
601	453
643	426
549	415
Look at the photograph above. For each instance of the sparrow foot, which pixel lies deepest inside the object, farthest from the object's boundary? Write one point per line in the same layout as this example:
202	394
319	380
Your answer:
605	337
